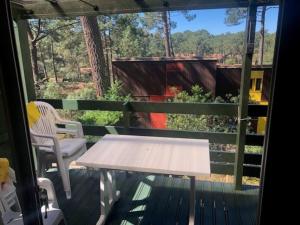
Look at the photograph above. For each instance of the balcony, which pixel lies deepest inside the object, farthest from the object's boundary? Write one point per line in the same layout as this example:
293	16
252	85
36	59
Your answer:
153	199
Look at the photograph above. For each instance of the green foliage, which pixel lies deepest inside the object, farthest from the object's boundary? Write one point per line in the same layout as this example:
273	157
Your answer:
235	16
83	94
101	117
52	91
253	149
114	93
126	38
189	42
209	123
200	122
155	45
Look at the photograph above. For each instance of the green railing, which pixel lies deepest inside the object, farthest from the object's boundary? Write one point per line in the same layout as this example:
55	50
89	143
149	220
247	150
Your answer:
221	162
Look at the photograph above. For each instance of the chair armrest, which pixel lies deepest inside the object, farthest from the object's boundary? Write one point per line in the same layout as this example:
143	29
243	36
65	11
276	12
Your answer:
50	137
78	131
66	122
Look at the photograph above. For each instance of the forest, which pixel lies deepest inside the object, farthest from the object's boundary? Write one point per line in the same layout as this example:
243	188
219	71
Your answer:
81	49
72	58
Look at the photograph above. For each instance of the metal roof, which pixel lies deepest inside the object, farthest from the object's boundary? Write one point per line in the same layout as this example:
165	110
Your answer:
69	8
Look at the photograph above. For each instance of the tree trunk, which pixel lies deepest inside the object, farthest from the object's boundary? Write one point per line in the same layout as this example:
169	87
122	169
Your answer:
53	62
262	37
170	34
166	30
44	64
107	59
111	74
106	49
34	63
78	69
95	52
33	54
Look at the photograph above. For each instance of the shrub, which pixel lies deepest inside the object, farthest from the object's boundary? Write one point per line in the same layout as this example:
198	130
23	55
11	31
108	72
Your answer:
102	117
83	94
52	91
114	93
210	123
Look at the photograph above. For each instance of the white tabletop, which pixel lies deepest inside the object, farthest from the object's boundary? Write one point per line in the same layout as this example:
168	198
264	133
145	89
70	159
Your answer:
174	156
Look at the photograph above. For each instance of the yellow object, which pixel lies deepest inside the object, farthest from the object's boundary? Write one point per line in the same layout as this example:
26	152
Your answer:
256	83
33	113
261	125
255	93
4	166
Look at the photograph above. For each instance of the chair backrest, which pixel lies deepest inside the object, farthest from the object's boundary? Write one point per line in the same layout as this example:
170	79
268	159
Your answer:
45	124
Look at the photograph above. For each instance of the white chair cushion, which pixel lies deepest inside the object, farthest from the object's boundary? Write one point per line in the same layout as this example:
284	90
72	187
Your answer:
68	146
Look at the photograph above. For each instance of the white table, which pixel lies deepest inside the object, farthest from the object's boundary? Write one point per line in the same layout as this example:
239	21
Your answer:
171	156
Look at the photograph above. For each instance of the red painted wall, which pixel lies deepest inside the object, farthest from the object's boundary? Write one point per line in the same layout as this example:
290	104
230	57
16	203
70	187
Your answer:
158	120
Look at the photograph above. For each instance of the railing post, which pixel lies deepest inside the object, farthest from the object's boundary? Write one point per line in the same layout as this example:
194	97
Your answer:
126	115
244	96
24	59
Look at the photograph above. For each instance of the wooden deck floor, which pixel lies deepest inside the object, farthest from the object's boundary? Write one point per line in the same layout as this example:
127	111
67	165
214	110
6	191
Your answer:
156	200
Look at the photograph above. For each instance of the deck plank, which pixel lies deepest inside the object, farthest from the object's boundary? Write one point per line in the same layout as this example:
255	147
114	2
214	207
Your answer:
160	204
233	215
155	200
184	207
169	217
219	203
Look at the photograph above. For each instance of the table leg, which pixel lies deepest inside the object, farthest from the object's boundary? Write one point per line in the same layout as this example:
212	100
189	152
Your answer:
192	201
108	194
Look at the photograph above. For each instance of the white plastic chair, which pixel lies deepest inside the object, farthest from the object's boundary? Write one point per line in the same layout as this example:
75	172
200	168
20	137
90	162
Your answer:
11	211
9	204
54	214
44	137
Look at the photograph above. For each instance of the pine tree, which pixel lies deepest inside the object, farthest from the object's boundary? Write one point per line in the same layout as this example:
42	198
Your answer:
94	47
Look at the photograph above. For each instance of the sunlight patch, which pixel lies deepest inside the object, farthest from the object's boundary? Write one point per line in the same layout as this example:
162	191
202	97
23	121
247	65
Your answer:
139	208
142	192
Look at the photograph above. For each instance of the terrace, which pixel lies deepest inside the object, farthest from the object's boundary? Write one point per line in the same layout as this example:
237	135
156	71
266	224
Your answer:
215	201
146	198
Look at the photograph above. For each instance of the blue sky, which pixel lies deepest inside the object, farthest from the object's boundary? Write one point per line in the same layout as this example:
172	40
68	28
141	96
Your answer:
213	21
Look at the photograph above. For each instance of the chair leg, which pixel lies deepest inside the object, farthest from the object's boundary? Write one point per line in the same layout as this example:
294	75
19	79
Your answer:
41	164
84	149
64	172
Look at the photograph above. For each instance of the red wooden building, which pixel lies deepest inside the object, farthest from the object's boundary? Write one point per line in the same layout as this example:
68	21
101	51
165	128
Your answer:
159	78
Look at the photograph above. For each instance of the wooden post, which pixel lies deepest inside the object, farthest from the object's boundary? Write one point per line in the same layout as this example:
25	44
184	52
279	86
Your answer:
244	96
25	60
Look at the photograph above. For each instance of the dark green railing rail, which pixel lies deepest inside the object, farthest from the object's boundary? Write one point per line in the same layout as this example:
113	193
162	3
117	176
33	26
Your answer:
221	162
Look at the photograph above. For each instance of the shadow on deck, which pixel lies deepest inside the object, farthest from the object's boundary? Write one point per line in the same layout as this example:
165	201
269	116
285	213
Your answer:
155	200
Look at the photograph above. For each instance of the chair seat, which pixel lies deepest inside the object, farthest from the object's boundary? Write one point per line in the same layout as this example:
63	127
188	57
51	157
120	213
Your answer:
54	217
68	146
